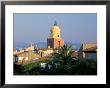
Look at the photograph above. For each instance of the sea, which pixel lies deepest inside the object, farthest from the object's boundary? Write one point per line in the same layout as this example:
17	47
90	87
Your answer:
21	45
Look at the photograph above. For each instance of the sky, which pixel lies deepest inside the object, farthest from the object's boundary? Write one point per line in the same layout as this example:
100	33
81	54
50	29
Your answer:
75	27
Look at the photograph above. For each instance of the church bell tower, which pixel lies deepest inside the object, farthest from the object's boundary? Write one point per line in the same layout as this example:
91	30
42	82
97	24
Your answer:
54	40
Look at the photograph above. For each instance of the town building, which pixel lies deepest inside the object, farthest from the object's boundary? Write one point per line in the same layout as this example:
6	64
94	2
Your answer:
14	51
54	40
30	47
88	51
44	52
25	57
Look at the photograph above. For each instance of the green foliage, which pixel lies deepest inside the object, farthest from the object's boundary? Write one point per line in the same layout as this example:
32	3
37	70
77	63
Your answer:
86	67
61	64
63	55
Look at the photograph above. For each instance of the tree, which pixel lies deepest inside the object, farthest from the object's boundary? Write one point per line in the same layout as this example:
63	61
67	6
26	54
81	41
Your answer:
63	54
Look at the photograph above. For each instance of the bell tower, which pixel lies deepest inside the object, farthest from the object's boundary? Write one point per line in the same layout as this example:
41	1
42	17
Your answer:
55	39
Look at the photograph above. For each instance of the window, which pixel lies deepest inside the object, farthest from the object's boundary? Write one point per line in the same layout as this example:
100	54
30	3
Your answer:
59	43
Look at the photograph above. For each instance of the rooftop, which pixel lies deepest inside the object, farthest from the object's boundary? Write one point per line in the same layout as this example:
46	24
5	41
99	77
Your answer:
89	47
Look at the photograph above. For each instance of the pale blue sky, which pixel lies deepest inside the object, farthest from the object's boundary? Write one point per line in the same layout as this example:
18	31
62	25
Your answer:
76	28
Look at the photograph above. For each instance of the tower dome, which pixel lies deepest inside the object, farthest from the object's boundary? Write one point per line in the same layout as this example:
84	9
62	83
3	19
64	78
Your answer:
55	31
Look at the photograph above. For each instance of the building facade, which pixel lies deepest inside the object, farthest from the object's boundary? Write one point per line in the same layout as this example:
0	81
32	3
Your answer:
25	57
43	52
88	51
